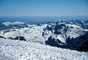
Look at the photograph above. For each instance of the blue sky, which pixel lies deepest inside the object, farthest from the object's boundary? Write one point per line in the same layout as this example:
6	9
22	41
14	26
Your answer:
43	7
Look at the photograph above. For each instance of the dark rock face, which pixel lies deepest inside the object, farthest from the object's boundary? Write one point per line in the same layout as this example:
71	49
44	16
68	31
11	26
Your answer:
83	42
2	37
51	41
80	43
59	28
18	38
54	42
84	46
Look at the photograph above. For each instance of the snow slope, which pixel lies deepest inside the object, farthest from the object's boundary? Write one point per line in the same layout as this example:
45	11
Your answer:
34	33
34	47
22	50
30	34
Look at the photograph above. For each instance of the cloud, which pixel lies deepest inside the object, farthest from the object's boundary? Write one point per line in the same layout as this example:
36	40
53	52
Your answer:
13	23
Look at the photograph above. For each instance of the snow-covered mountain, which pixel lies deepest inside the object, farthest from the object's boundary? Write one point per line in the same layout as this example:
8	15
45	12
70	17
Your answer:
45	31
36	41
58	32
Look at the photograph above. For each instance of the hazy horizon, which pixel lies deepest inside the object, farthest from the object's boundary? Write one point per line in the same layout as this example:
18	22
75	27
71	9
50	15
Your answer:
43	7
